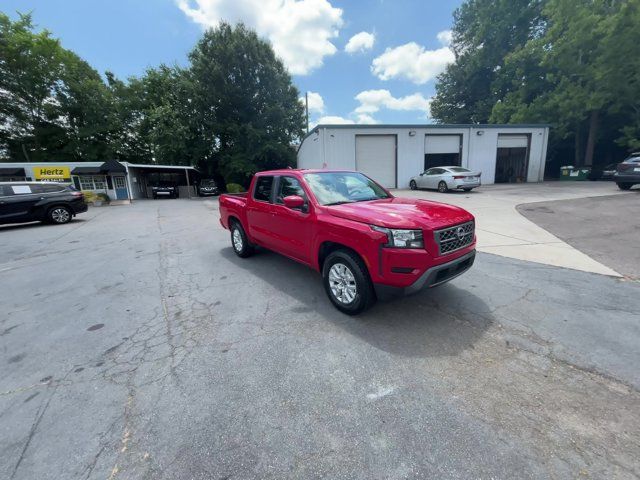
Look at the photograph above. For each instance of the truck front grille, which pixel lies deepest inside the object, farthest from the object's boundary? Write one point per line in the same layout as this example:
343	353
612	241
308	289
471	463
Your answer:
454	238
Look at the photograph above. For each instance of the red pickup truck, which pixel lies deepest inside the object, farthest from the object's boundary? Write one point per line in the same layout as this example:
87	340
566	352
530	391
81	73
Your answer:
363	240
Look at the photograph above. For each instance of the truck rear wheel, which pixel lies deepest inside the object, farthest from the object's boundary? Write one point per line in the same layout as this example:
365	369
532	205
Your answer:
239	241
347	283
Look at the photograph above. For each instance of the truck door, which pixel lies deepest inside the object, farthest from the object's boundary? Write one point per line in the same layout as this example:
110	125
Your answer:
260	211
291	229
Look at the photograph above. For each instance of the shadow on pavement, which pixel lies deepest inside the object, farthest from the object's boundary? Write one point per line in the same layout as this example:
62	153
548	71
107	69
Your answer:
436	322
23	226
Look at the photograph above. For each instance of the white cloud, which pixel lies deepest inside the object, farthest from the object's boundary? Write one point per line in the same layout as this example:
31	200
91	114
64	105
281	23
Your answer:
445	37
316	102
334	120
372	101
360	42
299	30
365	118
412	62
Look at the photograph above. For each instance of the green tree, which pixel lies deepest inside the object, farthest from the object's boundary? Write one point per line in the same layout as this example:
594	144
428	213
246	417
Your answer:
30	66
245	106
484	33
577	74
54	106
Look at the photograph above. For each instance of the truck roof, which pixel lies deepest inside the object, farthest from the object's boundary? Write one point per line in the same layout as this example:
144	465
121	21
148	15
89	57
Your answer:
283	171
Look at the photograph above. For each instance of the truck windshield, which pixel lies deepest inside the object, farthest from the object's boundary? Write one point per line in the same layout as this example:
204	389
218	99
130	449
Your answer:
335	188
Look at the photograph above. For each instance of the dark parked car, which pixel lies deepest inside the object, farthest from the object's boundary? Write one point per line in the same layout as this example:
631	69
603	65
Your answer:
208	187
628	172
164	189
605	172
39	201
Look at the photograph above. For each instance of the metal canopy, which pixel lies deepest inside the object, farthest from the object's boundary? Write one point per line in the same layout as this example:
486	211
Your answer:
110	166
12	172
87	170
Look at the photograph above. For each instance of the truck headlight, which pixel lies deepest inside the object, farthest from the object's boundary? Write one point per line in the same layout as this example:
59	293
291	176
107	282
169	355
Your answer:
401	238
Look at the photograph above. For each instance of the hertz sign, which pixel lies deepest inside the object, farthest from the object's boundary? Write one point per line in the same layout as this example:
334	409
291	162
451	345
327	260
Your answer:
52	173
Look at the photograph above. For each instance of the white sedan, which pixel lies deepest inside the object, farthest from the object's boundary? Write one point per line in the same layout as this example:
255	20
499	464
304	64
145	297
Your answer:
446	178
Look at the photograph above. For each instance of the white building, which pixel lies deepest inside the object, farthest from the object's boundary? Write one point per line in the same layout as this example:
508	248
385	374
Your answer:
118	180
392	154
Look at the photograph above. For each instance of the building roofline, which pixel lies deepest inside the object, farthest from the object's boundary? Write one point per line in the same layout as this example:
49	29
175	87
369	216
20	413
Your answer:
421	125
147	165
93	164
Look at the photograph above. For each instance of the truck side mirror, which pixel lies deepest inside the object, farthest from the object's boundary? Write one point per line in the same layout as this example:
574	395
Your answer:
293	201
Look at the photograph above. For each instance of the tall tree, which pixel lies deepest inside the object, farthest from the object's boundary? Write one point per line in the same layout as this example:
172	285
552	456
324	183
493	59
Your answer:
484	32
246	107
30	68
572	74
53	105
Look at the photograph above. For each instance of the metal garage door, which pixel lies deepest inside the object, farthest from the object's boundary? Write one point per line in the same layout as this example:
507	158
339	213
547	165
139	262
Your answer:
442	144
441	150
376	158
513	141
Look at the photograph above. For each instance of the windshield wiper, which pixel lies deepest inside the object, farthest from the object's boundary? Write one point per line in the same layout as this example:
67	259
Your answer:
338	203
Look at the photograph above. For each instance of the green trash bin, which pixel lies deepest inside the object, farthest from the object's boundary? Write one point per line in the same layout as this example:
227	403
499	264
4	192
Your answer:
565	173
570	173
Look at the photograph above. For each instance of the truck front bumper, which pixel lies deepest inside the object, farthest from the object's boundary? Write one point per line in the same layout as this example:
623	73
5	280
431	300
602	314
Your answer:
432	277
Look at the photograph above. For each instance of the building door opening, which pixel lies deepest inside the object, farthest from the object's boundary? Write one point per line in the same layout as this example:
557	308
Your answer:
512	158
442	150
120	186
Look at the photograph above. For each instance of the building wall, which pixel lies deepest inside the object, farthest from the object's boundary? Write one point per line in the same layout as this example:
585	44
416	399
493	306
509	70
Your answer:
335	148
29	172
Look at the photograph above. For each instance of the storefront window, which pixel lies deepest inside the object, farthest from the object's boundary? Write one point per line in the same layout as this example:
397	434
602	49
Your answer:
92	182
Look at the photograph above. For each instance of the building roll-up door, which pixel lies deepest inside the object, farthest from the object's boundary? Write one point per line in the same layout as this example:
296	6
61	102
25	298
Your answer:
513	141
376	158
441	150
442	144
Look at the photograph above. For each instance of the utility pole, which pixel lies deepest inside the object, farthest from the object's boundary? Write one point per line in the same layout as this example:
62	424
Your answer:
306	108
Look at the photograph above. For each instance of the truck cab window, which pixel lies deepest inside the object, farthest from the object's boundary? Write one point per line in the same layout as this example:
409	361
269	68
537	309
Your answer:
262	191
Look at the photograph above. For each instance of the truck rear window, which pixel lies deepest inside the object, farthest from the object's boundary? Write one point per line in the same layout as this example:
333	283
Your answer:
263	188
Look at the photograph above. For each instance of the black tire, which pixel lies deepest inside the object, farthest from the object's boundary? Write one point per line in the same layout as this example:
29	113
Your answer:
442	187
624	186
363	297
412	185
241	246
467	189
59	215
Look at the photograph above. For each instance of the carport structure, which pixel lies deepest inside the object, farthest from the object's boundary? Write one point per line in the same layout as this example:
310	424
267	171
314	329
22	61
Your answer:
141	177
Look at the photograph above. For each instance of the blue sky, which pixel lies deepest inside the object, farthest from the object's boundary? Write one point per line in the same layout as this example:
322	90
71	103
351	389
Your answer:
389	67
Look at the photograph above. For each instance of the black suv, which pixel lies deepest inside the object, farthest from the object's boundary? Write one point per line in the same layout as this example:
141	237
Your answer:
39	201
164	189
208	187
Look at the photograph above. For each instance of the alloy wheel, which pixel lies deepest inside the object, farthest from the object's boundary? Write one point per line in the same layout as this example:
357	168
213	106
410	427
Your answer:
60	215
342	283
237	240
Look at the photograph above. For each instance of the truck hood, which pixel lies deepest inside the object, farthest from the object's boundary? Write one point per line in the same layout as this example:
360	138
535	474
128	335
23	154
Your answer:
408	213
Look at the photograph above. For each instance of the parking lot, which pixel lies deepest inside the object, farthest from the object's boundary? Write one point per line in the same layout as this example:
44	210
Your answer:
135	344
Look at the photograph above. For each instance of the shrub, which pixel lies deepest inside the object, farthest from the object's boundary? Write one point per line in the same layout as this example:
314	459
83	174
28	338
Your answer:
234	188
89	196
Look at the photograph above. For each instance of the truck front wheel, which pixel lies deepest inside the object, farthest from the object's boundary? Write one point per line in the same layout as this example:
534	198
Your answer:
347	283
239	241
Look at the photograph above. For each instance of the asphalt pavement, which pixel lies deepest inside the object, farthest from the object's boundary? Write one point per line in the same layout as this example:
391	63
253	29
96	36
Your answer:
134	344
